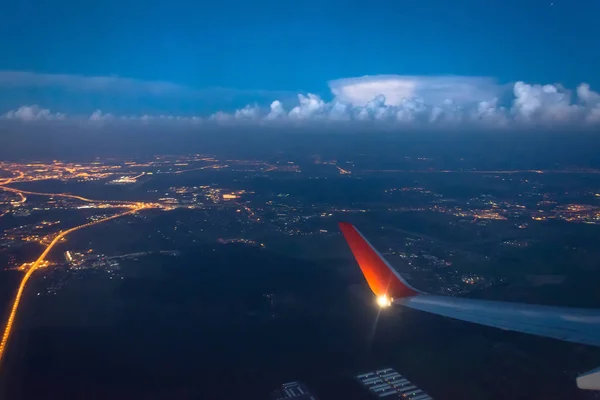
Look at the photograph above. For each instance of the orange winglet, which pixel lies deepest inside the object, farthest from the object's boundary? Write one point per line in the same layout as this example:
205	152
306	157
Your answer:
380	276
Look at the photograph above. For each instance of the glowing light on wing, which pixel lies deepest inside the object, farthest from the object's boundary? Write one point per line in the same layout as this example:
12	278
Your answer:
383	301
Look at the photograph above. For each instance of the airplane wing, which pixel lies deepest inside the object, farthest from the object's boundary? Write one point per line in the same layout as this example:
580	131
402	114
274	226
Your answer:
575	325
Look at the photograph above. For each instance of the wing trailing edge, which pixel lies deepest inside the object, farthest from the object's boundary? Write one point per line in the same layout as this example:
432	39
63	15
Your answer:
575	325
381	277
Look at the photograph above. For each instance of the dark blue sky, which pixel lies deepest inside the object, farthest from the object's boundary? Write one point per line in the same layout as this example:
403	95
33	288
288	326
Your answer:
295	46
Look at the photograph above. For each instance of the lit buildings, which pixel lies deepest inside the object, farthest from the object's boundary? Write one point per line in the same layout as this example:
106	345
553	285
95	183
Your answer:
292	390
388	384
124	180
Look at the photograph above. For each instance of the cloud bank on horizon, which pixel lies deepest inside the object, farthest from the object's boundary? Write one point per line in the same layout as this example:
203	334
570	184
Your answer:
387	99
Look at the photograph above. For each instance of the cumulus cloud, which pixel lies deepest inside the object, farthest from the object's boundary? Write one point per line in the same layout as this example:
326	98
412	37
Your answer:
33	113
221	116
36	113
402	101
587	96
98	115
146	118
309	106
431	89
436	101
546	103
591	100
276	111
248	113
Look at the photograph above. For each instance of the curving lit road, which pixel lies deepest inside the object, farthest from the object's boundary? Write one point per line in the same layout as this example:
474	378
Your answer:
9	180
69	196
39	262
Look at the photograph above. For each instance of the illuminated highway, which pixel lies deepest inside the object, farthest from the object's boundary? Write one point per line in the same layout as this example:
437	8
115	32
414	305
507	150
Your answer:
342	170
23	198
68	196
138	176
9	180
40	263
215	166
